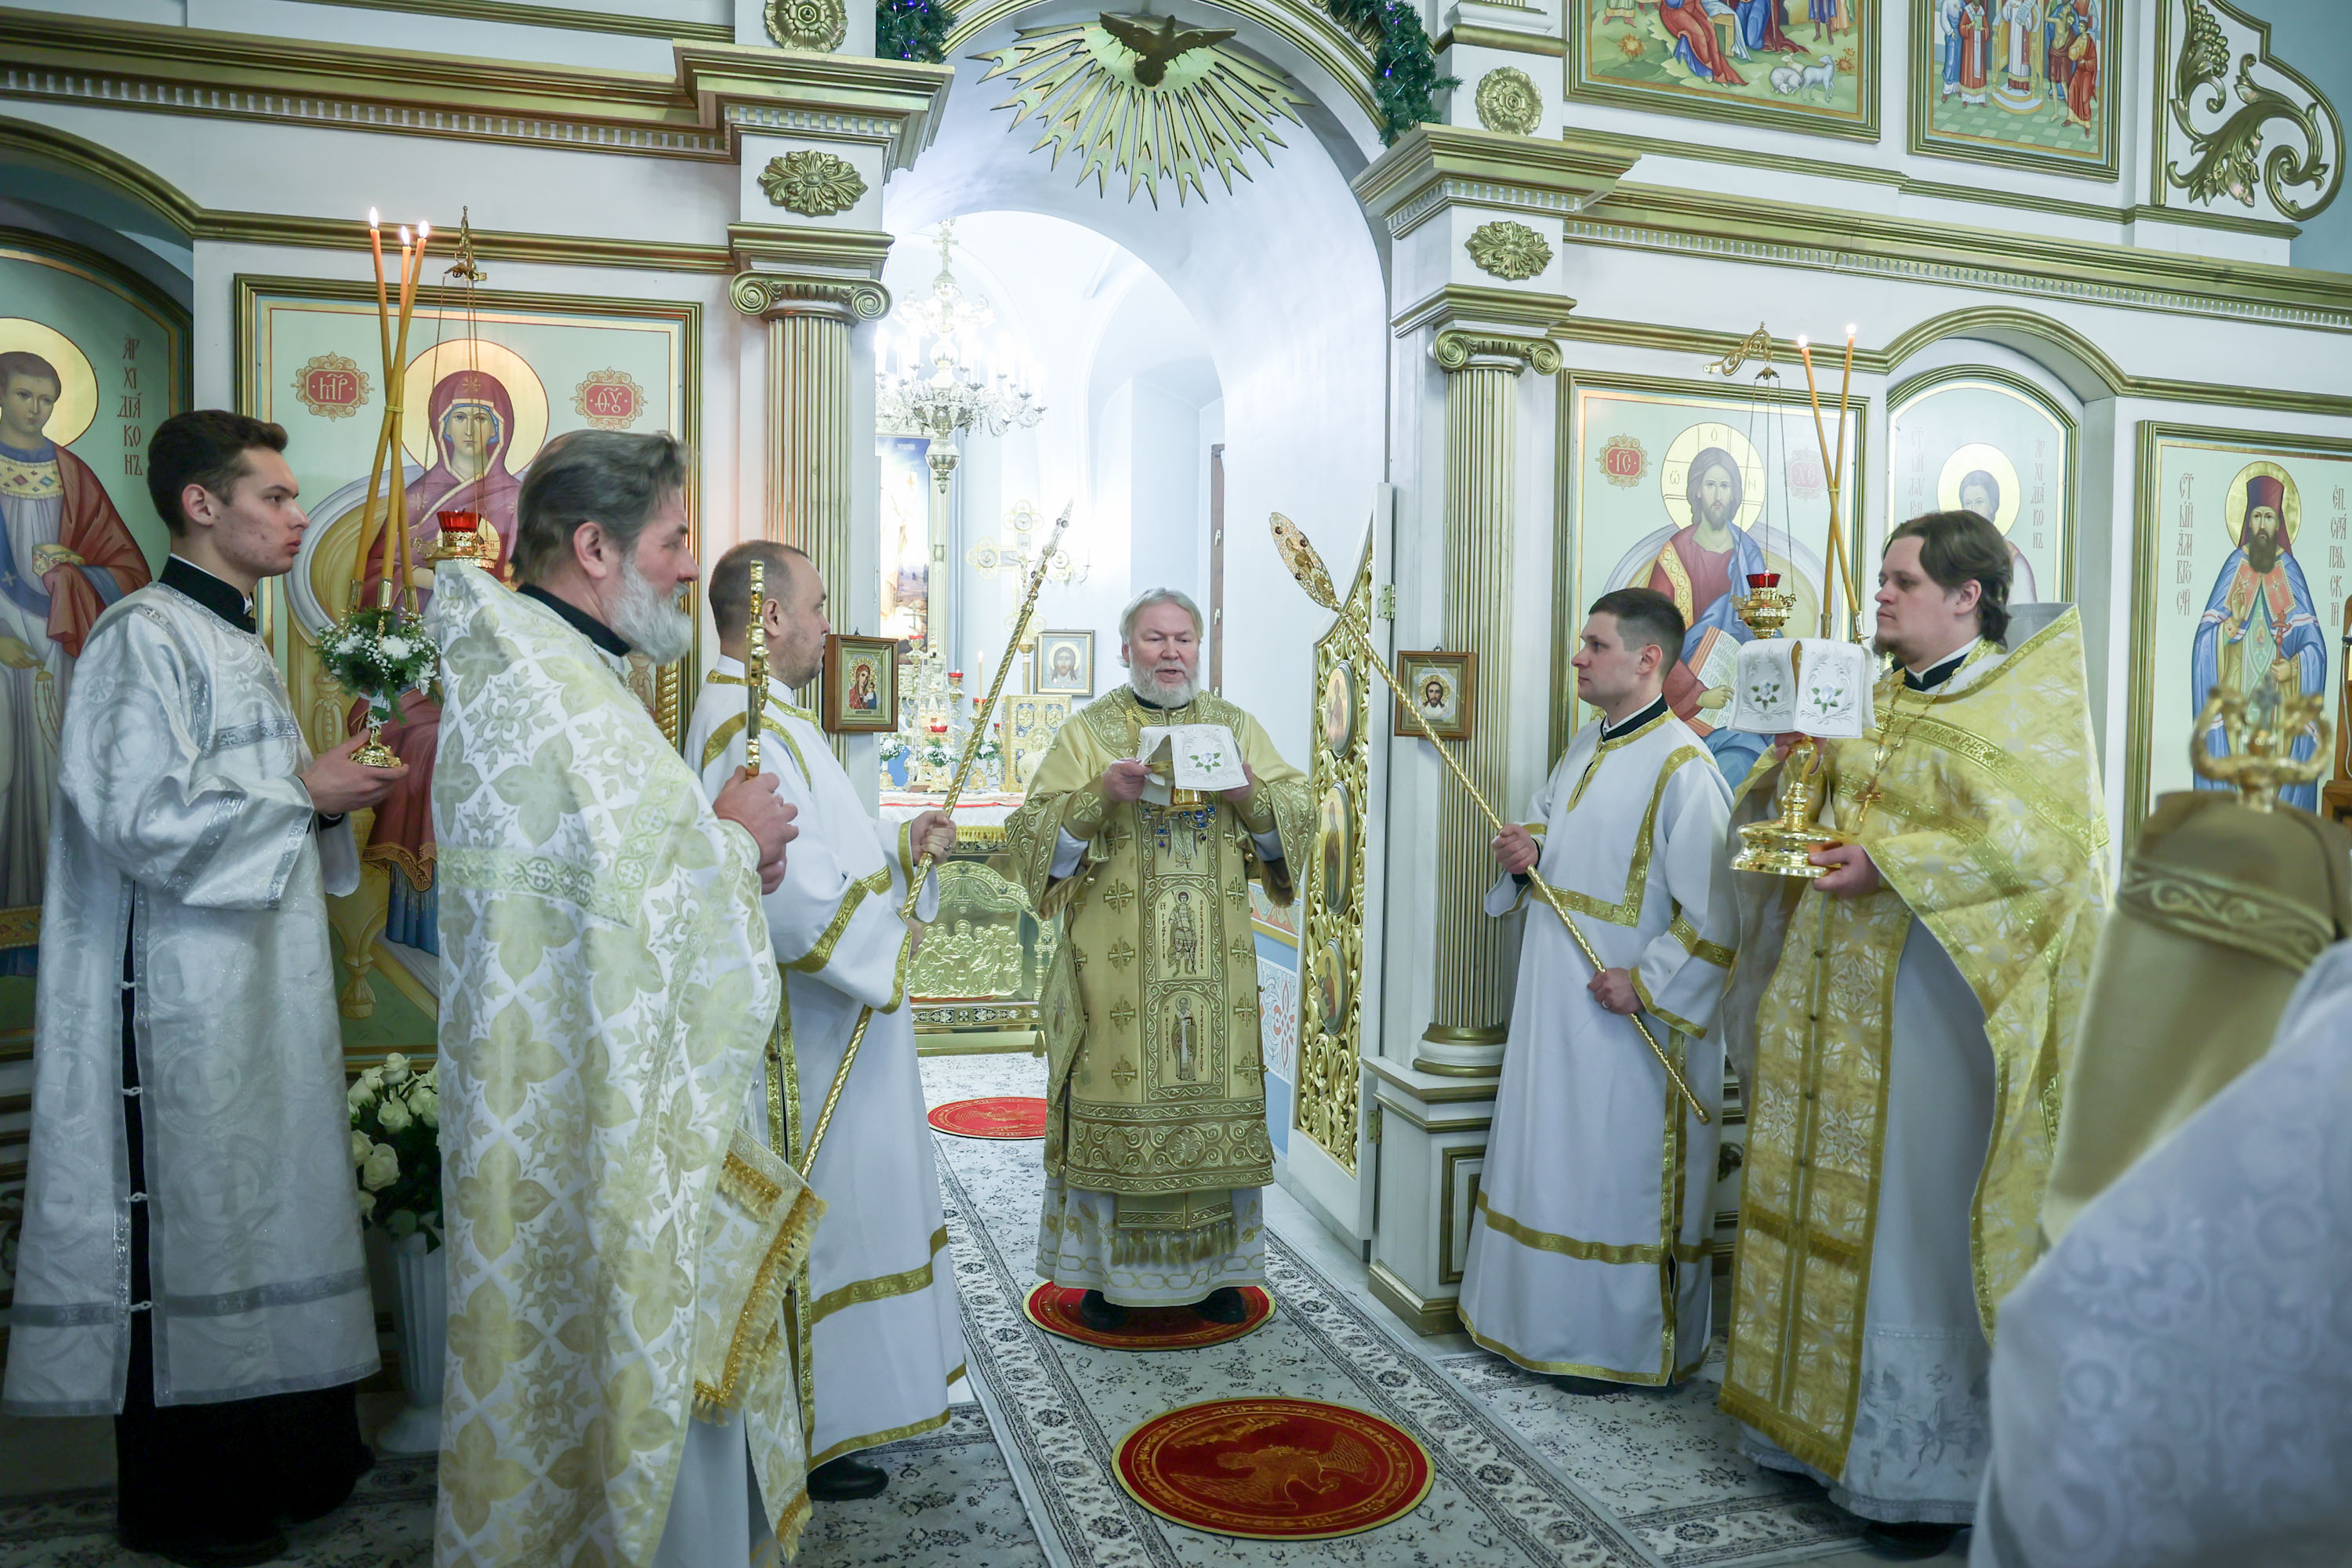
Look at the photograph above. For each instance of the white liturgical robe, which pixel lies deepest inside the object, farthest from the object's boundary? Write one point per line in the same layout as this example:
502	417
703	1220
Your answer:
618	1244
1588	1248
2173	1385
183	829
880	1331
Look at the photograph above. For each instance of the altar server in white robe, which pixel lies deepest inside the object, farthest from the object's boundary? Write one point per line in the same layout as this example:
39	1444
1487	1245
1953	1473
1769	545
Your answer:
1587	1249
2173	1384
875	1315
190	1261
618	1376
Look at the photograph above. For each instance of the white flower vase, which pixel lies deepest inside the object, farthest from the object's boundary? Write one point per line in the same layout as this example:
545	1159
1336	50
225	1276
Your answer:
424	1342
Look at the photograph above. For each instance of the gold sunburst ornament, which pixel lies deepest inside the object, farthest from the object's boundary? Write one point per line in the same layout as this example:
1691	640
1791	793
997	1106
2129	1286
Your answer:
1147	97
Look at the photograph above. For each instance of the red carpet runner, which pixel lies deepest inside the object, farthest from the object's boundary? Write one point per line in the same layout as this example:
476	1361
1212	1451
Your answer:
1274	1469
995	1116
1055	1309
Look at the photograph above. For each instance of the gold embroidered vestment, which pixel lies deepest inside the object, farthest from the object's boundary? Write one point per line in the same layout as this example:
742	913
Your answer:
1983	809
1150	1010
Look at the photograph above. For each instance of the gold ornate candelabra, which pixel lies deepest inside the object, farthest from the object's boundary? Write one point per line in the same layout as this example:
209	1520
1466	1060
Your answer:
2261	760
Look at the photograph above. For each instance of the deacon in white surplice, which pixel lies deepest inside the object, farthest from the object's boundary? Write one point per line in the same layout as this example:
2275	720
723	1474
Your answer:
1588	1248
880	1336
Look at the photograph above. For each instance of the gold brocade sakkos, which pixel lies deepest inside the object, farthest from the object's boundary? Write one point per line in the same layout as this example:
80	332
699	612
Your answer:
1150	1010
1982	810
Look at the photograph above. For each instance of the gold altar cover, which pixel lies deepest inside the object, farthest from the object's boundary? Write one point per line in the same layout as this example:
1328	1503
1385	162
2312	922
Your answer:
1150	1010
1989	823
2221	911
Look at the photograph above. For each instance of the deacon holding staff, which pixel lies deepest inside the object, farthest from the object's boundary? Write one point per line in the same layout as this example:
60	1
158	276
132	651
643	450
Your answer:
1587	1250
878	1328
191	1261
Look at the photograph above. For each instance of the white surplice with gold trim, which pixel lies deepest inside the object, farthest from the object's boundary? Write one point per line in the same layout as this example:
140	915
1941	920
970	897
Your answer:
1588	1248
618	1244
877	1318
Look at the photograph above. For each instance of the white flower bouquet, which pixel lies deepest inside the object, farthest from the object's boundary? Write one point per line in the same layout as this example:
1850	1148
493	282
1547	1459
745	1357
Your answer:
396	1148
378	654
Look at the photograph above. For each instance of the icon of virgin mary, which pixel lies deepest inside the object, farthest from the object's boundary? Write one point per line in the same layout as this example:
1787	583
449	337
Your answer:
472	421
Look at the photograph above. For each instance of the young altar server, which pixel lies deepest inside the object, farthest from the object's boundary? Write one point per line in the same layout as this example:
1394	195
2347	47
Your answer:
1588	1248
880	1336
190	1261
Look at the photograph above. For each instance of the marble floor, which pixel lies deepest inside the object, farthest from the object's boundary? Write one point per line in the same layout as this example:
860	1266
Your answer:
951	1503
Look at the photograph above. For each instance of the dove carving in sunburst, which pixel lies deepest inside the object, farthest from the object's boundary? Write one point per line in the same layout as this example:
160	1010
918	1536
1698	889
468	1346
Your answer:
1272	1471
1147	97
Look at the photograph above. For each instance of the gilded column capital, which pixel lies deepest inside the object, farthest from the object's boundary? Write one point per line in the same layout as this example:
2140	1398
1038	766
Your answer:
1455	349
768	295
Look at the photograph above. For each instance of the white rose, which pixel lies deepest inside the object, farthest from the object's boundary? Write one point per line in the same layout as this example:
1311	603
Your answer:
359	1096
395	1069
383	1168
360	1145
374	1079
391	1115
367	1204
425	1103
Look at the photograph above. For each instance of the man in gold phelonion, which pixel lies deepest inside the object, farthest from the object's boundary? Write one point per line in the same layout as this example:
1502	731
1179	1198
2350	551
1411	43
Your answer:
1904	1025
1155	1143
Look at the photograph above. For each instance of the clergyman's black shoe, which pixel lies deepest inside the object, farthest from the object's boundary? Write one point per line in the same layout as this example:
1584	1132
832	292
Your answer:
1909	1542
204	1548
1100	1313
849	1476
1224	1305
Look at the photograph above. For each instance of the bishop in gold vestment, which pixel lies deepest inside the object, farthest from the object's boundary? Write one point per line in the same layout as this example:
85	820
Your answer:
1903	1070
1156	1141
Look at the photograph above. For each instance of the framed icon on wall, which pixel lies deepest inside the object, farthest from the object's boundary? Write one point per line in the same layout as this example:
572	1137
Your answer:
1442	687
1064	664
860	690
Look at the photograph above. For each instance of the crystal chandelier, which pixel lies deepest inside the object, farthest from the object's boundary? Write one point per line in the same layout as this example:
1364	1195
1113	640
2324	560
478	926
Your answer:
959	392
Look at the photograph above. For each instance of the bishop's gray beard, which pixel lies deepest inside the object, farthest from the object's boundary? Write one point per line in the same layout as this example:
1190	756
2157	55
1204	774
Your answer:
1139	681
657	628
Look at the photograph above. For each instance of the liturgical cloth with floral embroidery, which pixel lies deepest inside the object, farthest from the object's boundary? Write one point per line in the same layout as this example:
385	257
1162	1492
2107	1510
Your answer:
618	1246
1909	1050
877	1330
1155	1140
1587	1244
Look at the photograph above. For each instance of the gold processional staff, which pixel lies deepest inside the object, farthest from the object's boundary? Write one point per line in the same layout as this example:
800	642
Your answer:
756	676
1307	567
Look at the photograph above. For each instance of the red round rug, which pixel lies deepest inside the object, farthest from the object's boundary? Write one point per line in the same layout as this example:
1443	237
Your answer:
1055	1309
1274	1469
995	1116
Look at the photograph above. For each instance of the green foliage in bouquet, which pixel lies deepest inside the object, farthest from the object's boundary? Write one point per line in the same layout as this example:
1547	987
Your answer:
1406	82
396	1148
379	654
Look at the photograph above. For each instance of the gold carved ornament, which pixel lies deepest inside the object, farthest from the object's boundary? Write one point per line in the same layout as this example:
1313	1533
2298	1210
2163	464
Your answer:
818	24
1508	101
1299	556
1145	96
1507	250
2229	157
812	183
1326	1098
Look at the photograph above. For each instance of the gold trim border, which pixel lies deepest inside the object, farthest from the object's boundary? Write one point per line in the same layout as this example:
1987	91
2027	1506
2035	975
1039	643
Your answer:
559	18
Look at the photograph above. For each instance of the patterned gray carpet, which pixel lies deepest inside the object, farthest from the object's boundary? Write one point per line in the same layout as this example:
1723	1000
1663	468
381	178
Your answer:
1527	1475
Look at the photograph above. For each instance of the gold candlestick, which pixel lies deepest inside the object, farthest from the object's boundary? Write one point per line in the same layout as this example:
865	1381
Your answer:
1307	567
755	669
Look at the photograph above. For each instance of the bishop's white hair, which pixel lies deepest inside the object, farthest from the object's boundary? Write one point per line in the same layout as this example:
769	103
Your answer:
1150	597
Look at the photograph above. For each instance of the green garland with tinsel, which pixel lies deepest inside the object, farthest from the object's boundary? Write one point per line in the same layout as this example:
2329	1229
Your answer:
912	30
1405	83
